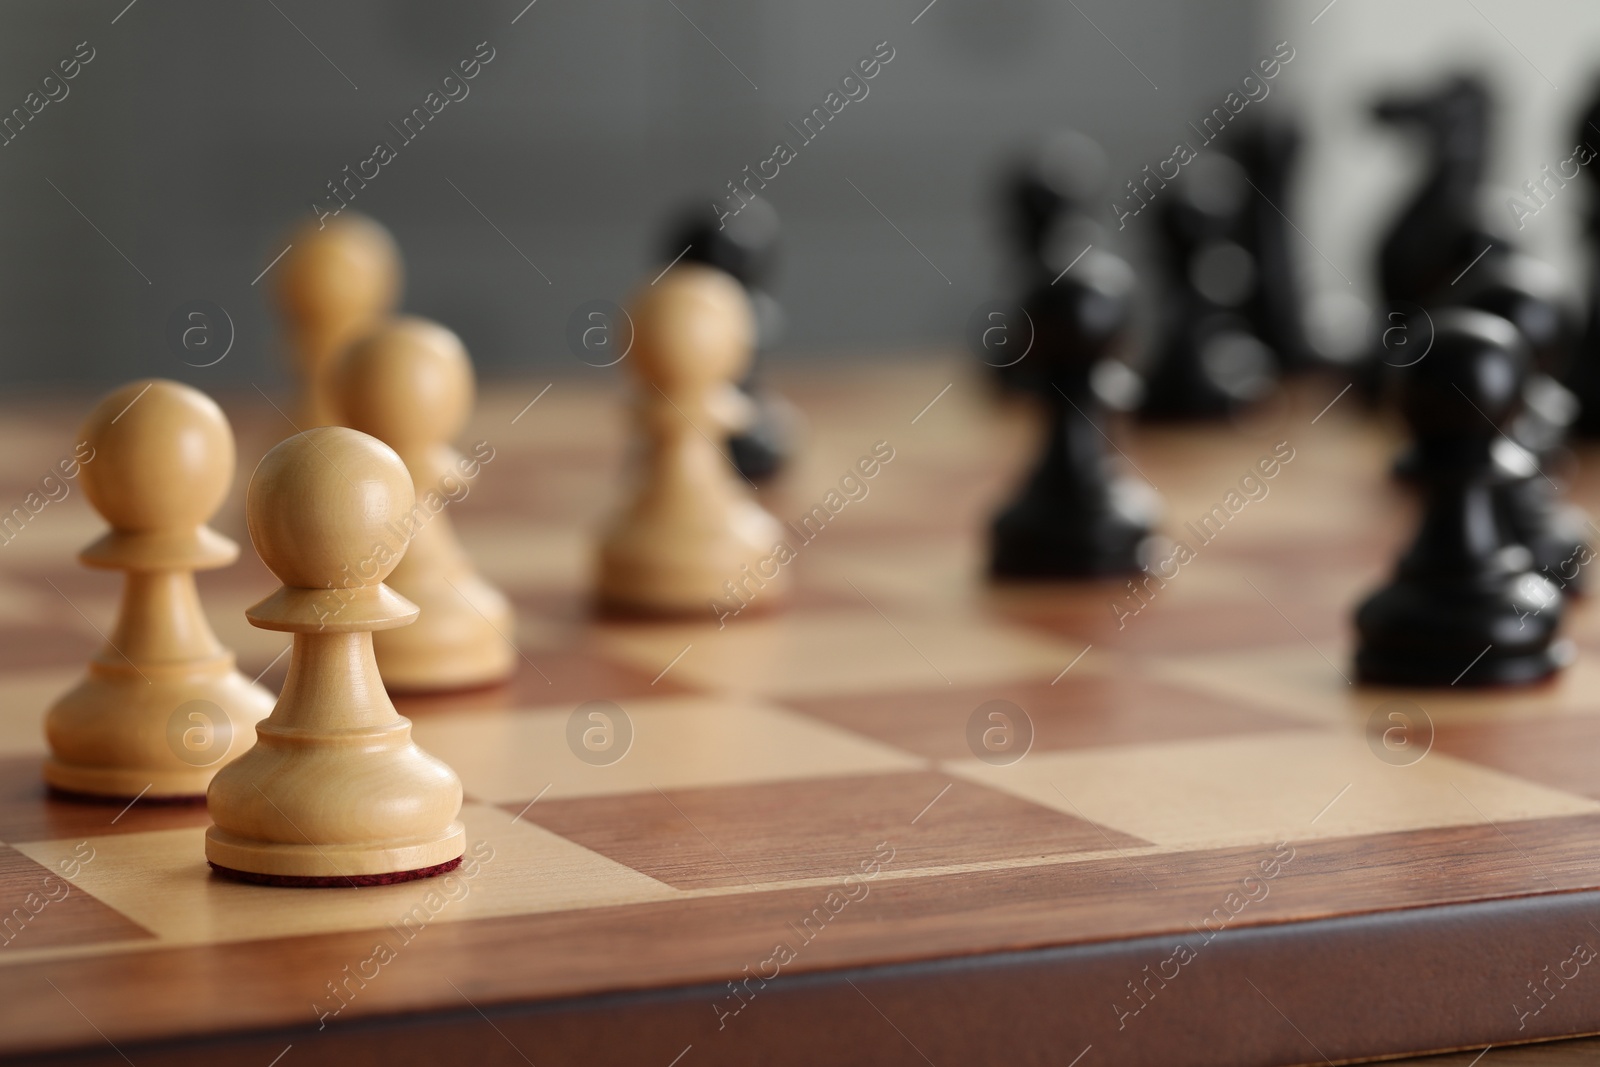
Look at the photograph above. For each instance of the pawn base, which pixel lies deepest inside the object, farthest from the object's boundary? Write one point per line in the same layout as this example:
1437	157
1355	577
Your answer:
671	569
1046	537
1042	554
461	639
114	785
168	800
339	882
1500	633
1377	668
161	732
314	864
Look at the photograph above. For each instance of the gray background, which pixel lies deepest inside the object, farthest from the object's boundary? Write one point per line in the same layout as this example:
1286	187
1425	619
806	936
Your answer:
201	131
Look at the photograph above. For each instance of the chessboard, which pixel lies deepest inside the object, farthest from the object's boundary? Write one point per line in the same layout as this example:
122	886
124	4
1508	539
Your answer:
909	817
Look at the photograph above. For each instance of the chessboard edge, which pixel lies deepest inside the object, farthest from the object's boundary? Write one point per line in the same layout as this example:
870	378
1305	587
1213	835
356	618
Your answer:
1401	983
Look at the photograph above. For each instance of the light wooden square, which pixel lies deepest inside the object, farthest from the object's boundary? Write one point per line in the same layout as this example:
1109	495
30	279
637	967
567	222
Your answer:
1267	788
160	880
844	651
1296	680
677	742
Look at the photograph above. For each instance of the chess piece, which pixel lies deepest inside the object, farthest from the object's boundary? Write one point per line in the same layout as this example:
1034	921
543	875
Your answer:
745	246
1583	375
691	531
1056	180
1530	294
1074	518
334	792
339	279
1208	361
1047	223
162	707
1442	228
1268	150
410	385
1533	296
1464	606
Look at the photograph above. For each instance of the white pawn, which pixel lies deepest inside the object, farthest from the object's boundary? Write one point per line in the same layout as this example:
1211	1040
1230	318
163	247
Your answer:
338	280
691	530
334	792
162	706
409	384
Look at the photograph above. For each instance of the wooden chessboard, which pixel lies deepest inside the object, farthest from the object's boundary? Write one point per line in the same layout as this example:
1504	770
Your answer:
1215	849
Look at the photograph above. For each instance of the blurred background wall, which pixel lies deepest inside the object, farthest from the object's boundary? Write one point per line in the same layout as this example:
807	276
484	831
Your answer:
200	132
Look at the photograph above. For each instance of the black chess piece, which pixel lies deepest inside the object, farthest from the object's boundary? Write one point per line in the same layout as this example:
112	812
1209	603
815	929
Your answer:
1533	296
1208	360
1583	374
1442	228
1075	517
1268	150
745	246
1046	218
1465	605
1530	294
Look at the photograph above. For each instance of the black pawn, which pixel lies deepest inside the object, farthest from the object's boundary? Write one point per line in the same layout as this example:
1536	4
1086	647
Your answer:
1208	360
1530	294
1074	517
745	246
1533	296
1465	605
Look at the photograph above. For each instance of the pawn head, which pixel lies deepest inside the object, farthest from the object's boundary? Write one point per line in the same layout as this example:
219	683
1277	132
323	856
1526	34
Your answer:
344	270
693	328
163	457
1470	382
409	382
1086	314
328	508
